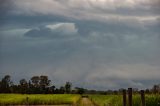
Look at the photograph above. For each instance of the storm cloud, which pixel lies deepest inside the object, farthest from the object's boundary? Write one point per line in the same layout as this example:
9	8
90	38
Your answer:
97	44
53	31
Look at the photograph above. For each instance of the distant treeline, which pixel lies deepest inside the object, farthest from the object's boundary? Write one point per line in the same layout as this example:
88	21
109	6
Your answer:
42	85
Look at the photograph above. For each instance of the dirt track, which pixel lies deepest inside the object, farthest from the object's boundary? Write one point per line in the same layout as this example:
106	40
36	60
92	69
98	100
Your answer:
86	102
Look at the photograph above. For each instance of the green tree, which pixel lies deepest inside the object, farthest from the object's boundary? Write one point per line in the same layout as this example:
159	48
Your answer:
30	87
156	89
35	81
5	84
68	86
62	90
80	90
23	85
35	85
44	83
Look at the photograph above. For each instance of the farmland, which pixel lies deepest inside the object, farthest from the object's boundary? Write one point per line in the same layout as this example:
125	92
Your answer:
38	99
39	91
70	99
116	100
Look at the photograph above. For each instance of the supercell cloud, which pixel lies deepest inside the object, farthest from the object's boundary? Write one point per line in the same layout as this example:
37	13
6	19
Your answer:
96	44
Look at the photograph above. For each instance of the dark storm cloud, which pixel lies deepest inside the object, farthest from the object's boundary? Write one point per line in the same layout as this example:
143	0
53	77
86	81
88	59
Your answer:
155	6
88	42
19	21
53	31
41	32
91	9
112	54
114	27
5	6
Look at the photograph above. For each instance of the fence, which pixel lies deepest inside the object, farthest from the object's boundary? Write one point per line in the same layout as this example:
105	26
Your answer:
130	97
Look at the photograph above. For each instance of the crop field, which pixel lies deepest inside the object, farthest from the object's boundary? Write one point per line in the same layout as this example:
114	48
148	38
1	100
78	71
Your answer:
69	99
116	100
38	99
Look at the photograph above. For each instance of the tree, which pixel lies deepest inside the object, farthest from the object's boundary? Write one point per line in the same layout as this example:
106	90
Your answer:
0	86
15	89
35	81
23	82
30	87
5	84
23	85
35	85
80	90
62	90
68	86
44	83
156	88
52	89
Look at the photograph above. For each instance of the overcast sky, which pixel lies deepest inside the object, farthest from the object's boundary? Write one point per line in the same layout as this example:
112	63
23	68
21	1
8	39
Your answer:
95	44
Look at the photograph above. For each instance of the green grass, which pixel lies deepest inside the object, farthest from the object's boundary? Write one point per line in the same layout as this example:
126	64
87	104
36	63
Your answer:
104	100
116	100
38	99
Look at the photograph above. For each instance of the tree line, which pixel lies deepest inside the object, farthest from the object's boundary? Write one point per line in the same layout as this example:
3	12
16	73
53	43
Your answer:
42	85
36	85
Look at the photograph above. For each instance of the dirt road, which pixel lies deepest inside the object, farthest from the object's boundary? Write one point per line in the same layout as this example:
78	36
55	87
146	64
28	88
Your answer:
86	102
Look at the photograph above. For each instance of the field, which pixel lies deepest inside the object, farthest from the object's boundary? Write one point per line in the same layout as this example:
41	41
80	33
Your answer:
38	99
102	100
60	99
116	100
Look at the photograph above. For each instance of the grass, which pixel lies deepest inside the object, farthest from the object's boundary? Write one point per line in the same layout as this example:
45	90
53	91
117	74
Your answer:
116	100
104	100
38	99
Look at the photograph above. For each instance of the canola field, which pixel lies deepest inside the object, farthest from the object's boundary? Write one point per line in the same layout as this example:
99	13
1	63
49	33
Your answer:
38	99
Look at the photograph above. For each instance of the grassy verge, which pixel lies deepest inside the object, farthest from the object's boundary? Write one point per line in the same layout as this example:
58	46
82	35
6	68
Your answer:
38	99
106	100
116	100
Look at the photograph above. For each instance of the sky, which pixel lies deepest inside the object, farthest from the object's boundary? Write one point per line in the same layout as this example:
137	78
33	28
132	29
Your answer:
95	44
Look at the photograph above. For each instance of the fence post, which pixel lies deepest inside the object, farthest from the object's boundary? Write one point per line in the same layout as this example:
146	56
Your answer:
124	97
130	96
143	98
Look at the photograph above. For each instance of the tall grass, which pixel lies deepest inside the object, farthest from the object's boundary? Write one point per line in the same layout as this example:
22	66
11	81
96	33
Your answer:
38	99
106	100
116	100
